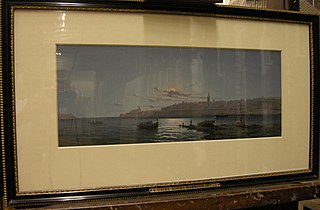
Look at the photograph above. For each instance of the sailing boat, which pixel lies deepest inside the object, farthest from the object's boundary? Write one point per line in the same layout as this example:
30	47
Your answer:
149	125
240	122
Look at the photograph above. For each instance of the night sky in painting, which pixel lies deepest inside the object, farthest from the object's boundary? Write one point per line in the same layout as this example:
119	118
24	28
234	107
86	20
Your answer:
105	81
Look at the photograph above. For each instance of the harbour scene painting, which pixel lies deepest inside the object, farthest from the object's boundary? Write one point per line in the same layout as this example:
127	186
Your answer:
110	95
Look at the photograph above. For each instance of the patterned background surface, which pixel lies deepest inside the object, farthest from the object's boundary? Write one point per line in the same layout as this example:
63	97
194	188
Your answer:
249	3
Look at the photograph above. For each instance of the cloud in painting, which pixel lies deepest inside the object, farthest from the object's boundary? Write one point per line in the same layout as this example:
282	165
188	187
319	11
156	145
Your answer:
171	94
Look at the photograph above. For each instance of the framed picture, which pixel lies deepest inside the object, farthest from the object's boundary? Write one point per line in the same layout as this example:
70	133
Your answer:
122	99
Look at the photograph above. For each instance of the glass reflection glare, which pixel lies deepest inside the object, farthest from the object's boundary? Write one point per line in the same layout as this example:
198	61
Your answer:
62	19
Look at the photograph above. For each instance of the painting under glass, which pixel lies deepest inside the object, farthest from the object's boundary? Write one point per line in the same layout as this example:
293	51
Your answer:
144	94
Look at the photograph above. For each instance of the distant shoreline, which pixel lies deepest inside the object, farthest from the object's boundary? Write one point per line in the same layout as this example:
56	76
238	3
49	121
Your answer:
178	117
203	116
257	106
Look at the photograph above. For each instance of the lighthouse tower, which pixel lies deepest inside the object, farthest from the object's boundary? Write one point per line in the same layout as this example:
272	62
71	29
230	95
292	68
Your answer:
208	98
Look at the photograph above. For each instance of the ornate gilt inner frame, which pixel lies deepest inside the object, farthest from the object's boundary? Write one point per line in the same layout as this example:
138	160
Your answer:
21	189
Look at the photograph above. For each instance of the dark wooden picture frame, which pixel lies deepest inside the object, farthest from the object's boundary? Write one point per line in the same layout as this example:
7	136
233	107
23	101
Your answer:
20	191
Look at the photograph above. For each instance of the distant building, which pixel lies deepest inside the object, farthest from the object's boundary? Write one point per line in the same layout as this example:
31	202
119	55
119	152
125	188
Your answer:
208	108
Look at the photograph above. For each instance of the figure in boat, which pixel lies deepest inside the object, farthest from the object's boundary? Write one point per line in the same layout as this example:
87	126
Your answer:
190	126
200	125
149	125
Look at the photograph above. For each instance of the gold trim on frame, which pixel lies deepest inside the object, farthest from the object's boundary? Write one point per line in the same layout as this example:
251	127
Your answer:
156	187
13	101
176	186
1	114
312	96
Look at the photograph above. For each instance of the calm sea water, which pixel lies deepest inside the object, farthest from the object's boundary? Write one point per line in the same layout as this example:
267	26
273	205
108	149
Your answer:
79	132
